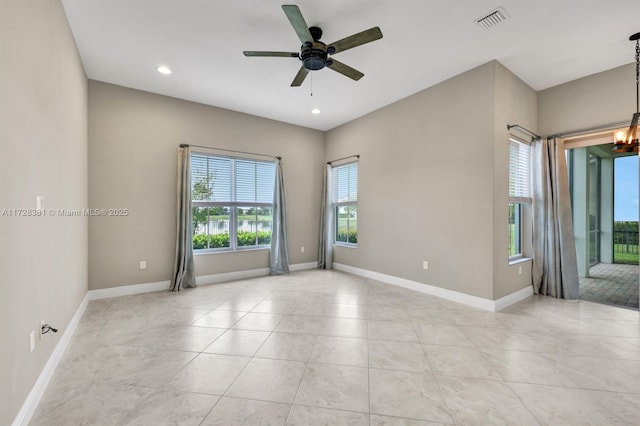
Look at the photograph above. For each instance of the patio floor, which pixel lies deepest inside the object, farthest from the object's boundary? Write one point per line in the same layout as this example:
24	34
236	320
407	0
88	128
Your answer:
612	284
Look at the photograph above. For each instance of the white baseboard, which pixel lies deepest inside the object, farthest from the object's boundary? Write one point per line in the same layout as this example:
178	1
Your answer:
231	276
33	399
126	290
251	273
303	266
513	298
454	296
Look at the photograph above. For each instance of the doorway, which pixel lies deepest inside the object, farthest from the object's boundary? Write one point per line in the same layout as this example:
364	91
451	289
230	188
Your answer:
604	199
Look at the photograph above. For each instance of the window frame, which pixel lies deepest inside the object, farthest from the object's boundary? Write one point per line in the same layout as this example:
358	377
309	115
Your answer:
233	205
518	223
336	205
521	204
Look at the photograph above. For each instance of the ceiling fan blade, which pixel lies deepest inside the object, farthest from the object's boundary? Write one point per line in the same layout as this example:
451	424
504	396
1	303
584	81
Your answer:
277	54
344	69
297	21
299	78
363	37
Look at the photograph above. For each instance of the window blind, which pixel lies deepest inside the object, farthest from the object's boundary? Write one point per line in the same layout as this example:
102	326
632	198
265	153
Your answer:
254	181
519	172
230	180
345	183
210	178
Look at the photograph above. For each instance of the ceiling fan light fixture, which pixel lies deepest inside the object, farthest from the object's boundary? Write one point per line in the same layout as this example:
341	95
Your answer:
162	69
315	57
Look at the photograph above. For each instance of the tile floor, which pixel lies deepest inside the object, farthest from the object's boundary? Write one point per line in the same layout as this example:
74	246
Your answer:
329	348
614	284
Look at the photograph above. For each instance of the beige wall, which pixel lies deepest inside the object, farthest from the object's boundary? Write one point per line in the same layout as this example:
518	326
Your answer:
134	137
515	103
43	151
425	185
599	99
434	183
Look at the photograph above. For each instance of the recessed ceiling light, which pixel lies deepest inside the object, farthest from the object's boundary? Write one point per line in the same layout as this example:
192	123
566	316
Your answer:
164	70
315	111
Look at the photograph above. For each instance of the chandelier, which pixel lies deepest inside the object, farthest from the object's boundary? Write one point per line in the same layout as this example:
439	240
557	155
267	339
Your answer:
628	142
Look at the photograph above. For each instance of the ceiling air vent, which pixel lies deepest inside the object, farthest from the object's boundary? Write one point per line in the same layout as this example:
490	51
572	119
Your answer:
492	18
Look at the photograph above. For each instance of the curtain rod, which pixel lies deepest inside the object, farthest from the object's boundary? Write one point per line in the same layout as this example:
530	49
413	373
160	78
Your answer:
184	145
527	131
344	158
602	128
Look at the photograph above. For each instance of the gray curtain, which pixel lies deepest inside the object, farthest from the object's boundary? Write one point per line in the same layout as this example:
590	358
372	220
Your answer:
325	246
183	270
555	268
279	255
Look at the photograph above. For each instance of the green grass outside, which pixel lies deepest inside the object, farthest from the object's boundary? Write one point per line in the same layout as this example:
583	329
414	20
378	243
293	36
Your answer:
620	255
347	230
342	222
512	239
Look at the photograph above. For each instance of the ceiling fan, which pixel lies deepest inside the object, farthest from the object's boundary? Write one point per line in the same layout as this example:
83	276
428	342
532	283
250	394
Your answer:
315	54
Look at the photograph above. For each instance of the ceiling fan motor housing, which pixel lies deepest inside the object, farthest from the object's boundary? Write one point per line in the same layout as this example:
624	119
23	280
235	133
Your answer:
314	55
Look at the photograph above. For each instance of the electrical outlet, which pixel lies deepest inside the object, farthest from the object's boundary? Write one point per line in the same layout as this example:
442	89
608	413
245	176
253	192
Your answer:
32	341
143	264
425	264
302	249
520	270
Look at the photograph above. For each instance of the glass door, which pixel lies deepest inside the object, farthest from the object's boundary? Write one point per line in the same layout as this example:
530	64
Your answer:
594	209
604	187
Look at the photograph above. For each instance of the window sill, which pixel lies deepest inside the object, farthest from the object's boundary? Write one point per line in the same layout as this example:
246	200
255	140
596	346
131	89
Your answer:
521	259
351	246
214	251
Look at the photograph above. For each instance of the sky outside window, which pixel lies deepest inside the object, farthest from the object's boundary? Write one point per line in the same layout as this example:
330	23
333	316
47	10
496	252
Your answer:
626	189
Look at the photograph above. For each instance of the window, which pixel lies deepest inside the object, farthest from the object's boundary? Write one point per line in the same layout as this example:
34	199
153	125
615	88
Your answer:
515	230
345	203
519	193
231	202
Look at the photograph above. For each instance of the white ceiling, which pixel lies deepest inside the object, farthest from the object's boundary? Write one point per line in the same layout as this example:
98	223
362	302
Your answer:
544	42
